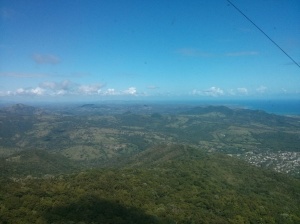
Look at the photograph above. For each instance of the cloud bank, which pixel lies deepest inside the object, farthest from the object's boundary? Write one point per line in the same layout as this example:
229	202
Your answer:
69	88
212	91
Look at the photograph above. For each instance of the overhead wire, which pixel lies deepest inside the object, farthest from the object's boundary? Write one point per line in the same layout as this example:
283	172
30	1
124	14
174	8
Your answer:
240	11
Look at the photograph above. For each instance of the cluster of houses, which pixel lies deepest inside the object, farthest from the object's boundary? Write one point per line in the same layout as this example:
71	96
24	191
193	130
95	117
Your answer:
284	162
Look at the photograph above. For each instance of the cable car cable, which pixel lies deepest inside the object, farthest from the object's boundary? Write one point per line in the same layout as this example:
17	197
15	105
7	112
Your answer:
263	32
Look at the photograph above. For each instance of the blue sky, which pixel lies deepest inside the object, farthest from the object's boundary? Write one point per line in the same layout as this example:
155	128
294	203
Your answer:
97	50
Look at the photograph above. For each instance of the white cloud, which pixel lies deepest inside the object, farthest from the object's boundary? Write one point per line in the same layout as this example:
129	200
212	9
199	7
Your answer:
90	89
46	59
114	92
212	91
130	91
110	92
66	87
261	89
28	92
61	92
20	91
37	91
242	90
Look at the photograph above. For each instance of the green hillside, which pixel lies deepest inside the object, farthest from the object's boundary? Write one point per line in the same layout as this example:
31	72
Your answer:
164	184
35	163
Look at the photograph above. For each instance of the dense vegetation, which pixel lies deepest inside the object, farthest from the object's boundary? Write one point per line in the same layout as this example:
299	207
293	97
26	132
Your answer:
176	184
36	163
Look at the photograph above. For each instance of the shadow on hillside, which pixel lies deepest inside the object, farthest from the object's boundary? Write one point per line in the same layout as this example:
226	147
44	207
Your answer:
90	209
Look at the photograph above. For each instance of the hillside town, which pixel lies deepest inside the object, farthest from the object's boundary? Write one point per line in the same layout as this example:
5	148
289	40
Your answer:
283	162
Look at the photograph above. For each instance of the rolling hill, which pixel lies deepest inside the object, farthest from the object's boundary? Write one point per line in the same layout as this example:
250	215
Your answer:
95	135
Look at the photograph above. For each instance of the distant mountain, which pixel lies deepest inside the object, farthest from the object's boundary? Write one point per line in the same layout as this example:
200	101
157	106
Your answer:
15	120
209	109
90	105
239	115
20	109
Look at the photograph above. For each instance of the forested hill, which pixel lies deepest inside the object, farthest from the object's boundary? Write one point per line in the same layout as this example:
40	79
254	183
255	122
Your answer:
242	116
36	163
164	184
97	135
